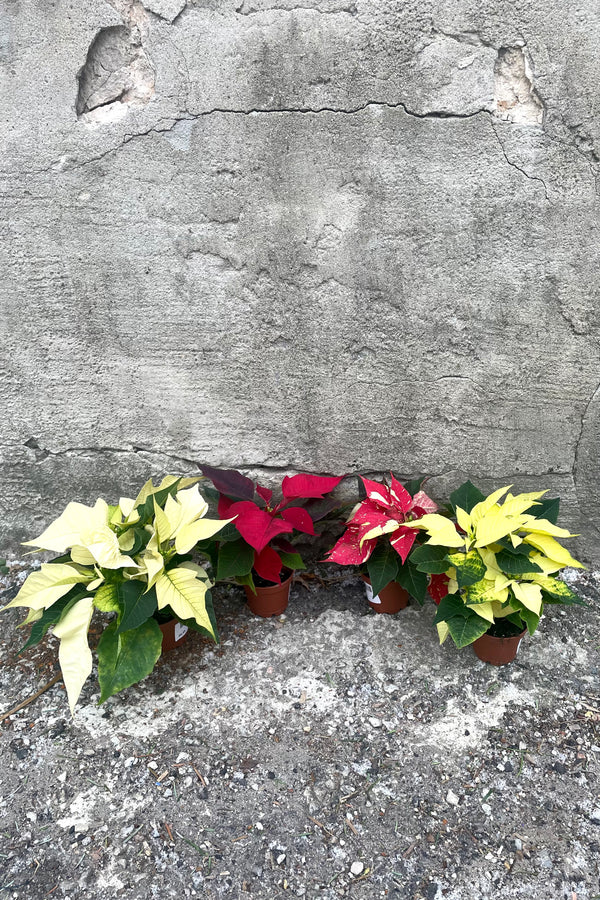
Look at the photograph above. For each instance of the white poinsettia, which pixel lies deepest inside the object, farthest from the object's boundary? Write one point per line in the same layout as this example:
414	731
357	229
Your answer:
86	531
43	588
126	560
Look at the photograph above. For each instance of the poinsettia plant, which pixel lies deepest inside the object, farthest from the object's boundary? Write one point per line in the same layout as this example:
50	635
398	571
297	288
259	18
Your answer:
257	541
132	561
377	537
494	565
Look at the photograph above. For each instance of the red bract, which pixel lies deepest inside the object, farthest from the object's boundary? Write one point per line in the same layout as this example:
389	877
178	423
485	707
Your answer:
257	526
383	511
305	487
259	522
438	587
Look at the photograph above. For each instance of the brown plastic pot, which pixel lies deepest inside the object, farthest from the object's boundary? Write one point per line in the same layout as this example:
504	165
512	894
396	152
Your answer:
497	650
174	634
270	600
390	600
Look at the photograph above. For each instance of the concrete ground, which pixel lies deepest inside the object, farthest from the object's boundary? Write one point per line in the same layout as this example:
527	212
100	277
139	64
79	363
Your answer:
329	753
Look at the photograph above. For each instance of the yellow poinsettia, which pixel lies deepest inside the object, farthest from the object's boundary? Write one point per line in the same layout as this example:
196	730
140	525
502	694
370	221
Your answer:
501	559
489	521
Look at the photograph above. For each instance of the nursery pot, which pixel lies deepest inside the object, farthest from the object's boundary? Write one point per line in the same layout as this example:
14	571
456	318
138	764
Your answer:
390	600
497	650
174	634
269	600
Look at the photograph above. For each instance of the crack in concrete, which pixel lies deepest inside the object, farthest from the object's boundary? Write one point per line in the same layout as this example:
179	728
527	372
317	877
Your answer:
350	10
581	430
186	116
517	167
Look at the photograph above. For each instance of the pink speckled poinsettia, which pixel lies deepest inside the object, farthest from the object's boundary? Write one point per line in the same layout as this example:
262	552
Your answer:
383	512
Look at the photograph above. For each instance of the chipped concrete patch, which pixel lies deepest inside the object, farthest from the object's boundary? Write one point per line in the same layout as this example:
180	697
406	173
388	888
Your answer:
515	97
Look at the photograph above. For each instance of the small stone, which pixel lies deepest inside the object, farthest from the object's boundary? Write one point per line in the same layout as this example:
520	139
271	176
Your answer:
281	859
374	723
356	868
259	826
451	798
518	844
595	817
486	808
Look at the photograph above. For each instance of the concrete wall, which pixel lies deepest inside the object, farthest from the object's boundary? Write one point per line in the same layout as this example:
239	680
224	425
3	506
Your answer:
324	235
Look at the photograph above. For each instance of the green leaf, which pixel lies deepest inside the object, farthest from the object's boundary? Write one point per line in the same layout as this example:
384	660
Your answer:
515	618
507	547
516	565
124	659
557	592
229	533
546	509
63	558
464	631
470	568
291	561
106	598
414	485
466	496
450	606
193	625
210	609
412	581
528	616
210	549
247	580
146	509
137	606
382	566
235	559
431	559
141	538
52	616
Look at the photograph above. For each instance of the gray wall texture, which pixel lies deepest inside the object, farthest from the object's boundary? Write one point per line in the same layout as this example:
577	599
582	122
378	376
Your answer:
323	235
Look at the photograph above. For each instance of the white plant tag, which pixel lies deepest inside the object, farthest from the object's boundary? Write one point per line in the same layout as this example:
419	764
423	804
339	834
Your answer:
372	599
180	631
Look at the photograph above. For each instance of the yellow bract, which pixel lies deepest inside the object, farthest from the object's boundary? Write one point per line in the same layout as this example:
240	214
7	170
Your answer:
183	520
86	531
530	595
377	530
486	529
44	587
184	593
552	550
441	530
74	654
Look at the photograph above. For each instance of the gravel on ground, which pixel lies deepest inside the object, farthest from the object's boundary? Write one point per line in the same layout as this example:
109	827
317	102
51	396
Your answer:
330	752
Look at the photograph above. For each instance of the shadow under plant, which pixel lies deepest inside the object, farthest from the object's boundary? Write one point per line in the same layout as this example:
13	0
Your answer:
357	759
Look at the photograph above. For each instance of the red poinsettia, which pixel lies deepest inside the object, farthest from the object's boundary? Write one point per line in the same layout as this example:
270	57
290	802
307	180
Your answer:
383	511
260	522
